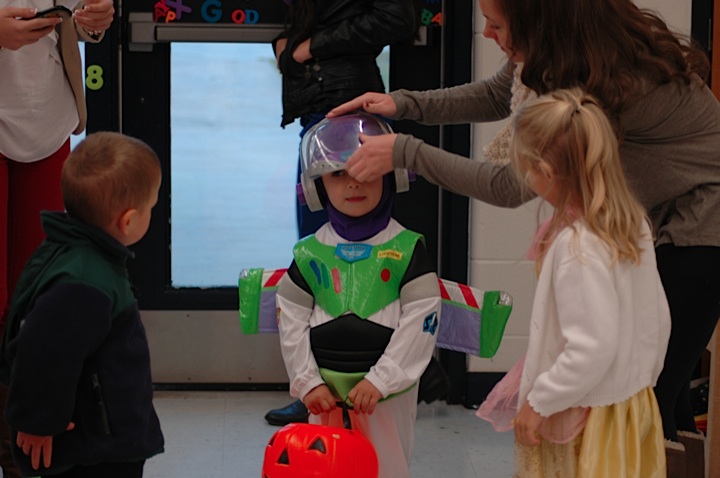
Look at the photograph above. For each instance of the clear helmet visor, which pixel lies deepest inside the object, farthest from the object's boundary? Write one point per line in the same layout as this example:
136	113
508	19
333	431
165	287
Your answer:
327	146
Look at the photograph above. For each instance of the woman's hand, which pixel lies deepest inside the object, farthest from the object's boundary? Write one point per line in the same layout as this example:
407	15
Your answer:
375	103
302	52
526	423
373	159
16	30
96	16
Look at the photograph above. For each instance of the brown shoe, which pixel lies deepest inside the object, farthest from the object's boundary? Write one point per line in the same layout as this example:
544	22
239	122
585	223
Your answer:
694	444
675	458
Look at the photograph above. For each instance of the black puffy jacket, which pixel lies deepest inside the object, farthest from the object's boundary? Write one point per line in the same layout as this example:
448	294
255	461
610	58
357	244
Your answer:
347	38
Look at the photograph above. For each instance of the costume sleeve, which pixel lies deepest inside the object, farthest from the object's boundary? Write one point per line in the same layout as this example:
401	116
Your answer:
479	101
65	326
295	306
413	341
589	314
386	22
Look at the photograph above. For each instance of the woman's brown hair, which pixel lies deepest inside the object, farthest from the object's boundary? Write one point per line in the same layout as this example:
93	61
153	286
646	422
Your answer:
607	47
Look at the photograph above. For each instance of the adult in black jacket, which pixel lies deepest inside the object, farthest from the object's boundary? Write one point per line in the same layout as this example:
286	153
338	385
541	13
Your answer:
328	49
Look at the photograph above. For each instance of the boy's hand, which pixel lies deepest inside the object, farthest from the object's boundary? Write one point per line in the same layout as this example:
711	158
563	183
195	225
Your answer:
527	422
38	447
364	397
320	399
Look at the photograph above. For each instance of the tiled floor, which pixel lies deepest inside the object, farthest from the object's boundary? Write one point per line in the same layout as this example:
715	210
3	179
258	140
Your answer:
223	435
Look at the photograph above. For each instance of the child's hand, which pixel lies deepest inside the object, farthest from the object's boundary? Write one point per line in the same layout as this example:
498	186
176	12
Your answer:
364	397
319	400
527	422
38	447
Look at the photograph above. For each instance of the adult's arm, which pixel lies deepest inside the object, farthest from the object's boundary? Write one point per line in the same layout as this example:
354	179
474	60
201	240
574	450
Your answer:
475	102
386	22
483	180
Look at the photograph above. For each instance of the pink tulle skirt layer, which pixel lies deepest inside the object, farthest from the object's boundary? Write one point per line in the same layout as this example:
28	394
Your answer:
501	406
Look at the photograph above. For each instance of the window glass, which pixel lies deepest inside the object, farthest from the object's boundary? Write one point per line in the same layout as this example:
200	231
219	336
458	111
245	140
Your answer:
233	169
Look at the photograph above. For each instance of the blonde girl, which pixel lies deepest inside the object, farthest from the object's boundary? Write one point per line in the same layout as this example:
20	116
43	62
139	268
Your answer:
600	322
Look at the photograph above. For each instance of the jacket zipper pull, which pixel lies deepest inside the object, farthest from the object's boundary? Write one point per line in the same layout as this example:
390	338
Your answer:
101	403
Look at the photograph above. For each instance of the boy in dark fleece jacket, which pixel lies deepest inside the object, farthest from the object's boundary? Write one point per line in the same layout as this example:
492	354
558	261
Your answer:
80	401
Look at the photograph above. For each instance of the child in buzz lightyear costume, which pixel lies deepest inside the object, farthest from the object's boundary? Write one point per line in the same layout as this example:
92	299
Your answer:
359	307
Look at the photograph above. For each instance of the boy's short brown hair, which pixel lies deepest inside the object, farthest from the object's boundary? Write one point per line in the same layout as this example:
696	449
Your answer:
106	174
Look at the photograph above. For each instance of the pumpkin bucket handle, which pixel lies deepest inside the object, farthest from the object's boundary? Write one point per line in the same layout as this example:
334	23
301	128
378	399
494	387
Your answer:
345	414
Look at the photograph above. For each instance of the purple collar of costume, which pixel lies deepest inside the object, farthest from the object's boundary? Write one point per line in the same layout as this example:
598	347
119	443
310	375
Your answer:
364	227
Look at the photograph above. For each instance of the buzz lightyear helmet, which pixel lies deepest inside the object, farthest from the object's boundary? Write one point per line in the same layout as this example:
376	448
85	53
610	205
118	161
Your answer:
326	147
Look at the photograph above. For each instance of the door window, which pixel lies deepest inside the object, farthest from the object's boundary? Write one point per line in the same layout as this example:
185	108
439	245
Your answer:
232	167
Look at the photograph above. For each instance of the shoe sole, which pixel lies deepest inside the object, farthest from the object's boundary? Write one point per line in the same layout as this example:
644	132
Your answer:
282	423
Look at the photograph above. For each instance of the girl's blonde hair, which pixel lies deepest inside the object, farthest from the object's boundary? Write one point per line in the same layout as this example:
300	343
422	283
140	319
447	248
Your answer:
568	131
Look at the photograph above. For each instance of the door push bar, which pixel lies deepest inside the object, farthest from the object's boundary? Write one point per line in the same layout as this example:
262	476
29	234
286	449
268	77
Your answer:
145	32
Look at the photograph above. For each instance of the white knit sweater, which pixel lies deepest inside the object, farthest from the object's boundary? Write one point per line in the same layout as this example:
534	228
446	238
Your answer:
598	335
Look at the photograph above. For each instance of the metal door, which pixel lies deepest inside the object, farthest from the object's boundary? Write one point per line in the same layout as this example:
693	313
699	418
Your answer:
196	80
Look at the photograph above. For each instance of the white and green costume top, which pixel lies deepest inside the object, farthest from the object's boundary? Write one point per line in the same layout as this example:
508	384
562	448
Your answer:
358	308
351	277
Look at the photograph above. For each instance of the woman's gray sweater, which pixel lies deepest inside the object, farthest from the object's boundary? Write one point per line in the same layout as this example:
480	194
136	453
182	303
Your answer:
670	152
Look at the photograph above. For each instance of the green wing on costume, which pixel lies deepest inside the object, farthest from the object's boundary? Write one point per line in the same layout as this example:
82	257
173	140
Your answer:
472	321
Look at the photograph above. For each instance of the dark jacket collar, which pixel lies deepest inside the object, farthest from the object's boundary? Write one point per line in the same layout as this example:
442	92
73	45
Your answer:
62	228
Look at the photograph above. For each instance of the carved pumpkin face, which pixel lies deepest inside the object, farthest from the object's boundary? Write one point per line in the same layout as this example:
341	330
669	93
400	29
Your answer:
301	450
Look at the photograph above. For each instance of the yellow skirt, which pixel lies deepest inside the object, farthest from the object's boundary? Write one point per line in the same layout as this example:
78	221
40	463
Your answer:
623	440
